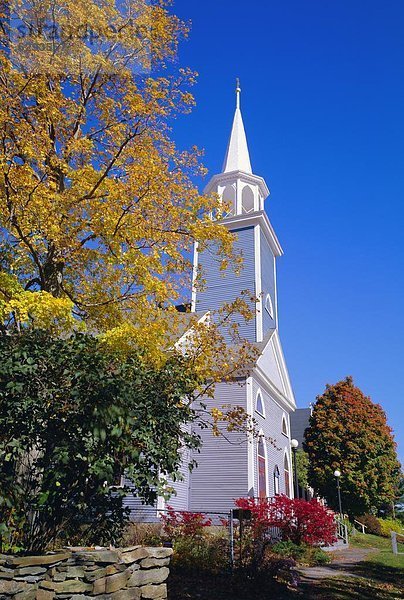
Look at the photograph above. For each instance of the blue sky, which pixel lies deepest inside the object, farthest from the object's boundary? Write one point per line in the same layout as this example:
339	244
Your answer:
323	106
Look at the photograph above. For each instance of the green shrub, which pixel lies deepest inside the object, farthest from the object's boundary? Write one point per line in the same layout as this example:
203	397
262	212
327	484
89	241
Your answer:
308	555
317	556
388	525
208	553
288	550
73	418
372	524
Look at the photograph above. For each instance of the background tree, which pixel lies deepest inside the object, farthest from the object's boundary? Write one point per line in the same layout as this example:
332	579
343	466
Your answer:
302	465
349	432
98	212
73	419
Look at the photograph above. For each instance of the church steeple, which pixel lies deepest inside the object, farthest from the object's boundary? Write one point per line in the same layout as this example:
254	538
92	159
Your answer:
241	190
243	195
237	156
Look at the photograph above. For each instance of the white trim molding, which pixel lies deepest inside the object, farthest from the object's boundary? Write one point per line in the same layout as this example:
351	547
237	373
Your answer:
258	283
290	471
194	276
264	441
269	307
285	422
263	413
250	441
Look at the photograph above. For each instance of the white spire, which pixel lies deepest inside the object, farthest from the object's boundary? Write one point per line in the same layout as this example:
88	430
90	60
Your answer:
237	155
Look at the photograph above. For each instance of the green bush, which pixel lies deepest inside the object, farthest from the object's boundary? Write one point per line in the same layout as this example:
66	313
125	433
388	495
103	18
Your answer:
73	419
288	550
307	555
388	525
208	553
317	556
372	524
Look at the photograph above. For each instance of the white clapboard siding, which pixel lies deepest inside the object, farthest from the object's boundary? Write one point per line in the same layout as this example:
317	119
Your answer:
226	286
138	511
221	475
268	283
180	499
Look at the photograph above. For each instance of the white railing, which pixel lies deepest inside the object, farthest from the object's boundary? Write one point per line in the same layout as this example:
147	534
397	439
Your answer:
394	543
362	525
342	531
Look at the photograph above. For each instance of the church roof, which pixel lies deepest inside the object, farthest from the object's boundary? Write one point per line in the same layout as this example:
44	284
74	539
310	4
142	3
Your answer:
237	156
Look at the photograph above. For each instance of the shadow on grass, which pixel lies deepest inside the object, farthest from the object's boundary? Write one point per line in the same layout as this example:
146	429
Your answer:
380	573
370	582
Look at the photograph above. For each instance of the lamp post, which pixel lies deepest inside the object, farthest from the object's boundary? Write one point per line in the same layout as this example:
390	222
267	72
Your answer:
337	475
294	444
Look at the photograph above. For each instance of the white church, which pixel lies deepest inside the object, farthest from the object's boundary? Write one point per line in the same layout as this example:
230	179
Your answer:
243	466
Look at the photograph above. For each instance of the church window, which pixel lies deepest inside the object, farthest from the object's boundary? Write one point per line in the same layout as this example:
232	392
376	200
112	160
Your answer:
229	198
284	426
269	306
262	468
248	201
276	481
259	405
286	469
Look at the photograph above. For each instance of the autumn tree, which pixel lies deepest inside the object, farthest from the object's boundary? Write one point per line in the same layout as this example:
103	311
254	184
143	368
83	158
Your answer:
349	432
98	211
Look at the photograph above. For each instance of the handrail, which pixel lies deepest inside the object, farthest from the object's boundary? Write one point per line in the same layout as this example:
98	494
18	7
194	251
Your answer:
342	531
362	525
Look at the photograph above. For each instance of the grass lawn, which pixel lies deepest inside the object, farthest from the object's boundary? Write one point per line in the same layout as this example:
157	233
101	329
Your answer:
384	555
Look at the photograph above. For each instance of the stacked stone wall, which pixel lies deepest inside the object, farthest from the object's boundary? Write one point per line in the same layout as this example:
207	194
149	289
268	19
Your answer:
80	573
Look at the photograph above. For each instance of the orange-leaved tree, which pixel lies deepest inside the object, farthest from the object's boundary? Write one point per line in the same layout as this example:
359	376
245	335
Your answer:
349	433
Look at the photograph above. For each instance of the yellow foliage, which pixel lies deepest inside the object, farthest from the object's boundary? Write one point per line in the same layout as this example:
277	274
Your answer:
38	309
98	211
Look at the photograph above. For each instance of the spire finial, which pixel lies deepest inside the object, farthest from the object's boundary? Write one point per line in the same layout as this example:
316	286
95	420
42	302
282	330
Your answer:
238	92
237	155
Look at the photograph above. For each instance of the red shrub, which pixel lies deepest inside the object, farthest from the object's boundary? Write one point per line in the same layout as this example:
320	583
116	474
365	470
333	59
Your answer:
300	521
260	514
184	524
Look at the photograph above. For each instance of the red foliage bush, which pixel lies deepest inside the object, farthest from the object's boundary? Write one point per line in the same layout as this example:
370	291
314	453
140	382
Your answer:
300	521
184	524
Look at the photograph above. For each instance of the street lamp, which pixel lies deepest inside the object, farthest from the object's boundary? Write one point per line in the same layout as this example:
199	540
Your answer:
337	475
294	444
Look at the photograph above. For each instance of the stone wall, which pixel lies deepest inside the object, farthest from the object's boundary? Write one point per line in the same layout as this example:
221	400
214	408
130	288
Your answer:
80	573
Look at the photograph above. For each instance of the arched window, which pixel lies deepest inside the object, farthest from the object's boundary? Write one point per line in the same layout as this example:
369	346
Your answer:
229	198
262	468
259	405
276	481
286	469
269	307
247	200
284	426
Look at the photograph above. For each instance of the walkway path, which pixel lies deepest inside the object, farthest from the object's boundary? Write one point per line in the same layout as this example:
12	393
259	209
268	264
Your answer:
343	560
